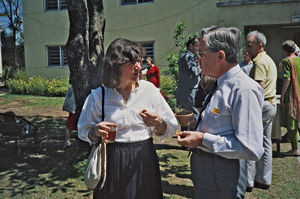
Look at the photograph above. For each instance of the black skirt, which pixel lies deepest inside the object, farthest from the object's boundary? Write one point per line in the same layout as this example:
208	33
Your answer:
132	172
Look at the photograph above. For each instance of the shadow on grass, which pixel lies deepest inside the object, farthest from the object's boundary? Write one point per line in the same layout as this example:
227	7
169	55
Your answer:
174	162
46	165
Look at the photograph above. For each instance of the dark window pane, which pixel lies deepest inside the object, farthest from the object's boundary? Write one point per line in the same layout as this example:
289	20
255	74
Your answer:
51	5
143	1
126	2
53	56
63	4
65	60
149	49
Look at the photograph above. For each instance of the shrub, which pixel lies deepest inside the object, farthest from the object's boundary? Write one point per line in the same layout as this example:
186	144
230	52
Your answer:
19	74
7	73
57	87
37	85
17	86
168	85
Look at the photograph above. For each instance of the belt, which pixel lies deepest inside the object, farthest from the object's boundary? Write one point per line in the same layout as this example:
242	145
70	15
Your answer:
269	98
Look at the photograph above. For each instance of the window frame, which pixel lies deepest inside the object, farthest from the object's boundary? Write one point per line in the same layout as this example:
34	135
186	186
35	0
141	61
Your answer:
59	5
143	43
136	3
62	64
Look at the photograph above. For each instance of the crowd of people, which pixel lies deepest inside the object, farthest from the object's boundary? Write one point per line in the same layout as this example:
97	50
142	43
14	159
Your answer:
232	104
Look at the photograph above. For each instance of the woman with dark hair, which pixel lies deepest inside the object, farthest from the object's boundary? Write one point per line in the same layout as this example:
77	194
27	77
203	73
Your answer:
290	99
138	110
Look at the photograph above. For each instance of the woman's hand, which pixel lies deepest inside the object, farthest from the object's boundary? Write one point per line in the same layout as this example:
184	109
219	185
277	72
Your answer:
101	130
154	120
150	119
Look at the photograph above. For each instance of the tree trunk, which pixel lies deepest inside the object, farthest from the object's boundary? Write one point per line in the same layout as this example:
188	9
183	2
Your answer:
85	50
15	47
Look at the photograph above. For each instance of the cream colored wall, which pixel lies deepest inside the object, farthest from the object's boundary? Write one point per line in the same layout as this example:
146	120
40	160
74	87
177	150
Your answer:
43	28
145	22
155	22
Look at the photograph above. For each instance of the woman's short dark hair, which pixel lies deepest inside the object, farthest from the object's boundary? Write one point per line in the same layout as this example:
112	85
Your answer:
288	46
119	52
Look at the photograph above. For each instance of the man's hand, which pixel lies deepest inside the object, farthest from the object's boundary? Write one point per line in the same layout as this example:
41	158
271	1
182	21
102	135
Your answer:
190	139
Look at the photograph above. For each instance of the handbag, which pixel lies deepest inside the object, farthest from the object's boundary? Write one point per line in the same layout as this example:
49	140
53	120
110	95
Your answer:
69	103
95	173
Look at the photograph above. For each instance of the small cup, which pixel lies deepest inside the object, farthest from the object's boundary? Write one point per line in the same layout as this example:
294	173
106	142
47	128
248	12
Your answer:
185	118
112	134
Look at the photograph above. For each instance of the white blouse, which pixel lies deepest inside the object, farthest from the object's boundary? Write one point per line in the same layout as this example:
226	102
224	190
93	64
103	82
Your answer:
131	127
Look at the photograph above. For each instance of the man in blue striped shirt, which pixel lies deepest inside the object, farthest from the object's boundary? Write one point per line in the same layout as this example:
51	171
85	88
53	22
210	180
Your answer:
230	127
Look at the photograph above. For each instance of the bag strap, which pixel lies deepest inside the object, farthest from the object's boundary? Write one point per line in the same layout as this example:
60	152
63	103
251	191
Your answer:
103	94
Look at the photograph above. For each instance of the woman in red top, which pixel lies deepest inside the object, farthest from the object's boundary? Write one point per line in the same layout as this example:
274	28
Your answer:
152	73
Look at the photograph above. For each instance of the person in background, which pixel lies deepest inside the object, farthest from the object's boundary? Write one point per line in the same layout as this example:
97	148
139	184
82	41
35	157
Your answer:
297	50
264	71
188	79
247	64
229	129
206	86
71	124
290	98
138	110
152	73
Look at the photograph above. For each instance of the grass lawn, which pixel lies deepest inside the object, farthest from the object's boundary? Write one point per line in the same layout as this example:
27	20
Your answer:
46	171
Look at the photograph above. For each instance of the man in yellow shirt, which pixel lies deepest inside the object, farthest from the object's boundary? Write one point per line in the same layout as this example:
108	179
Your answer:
265	73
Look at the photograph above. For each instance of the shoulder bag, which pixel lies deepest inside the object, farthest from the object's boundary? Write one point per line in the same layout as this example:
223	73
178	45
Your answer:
95	173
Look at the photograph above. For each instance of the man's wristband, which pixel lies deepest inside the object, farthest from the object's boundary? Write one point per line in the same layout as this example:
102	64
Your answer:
93	135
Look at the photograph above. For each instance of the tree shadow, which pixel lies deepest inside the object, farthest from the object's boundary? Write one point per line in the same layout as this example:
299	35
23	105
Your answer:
180	170
49	165
46	165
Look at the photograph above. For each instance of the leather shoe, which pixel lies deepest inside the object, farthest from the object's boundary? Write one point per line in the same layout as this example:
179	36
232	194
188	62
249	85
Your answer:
261	186
249	189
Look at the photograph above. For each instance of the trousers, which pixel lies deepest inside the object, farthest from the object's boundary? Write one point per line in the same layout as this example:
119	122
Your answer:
263	166
216	177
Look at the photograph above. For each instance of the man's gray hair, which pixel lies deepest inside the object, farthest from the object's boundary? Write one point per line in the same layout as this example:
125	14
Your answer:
226	39
259	37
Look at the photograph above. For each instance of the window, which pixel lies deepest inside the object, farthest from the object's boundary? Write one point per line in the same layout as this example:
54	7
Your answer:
55	4
134	2
149	49
56	56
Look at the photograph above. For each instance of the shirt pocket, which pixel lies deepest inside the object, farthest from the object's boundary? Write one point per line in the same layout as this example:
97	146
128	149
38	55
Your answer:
217	119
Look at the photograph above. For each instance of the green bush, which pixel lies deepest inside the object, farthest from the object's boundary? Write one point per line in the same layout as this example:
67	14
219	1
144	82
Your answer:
19	74
57	87
7	73
17	86
37	85
168	85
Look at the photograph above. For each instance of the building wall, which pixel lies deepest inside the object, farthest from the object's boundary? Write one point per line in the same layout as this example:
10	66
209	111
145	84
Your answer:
43	28
154	22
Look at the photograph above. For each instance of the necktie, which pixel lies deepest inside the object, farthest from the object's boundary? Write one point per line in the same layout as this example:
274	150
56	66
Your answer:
207	100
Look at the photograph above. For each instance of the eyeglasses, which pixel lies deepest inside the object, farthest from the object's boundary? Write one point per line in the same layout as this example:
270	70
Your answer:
201	53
